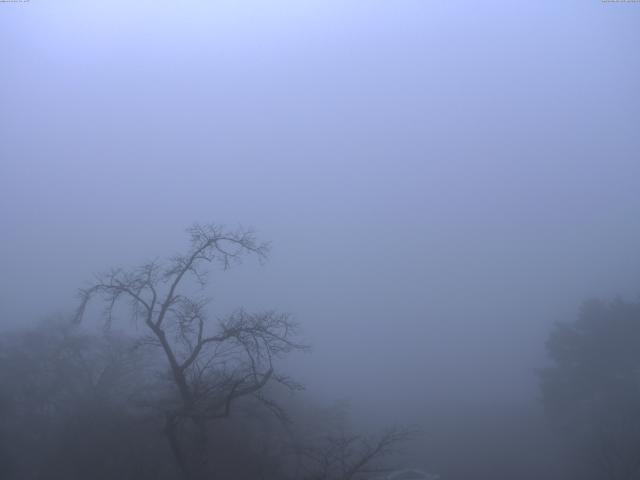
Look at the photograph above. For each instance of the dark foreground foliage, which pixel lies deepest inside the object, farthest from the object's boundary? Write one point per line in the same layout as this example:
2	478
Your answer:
591	391
78	406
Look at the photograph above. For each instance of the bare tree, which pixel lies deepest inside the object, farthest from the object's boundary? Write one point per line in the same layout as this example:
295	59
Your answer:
211	364
348	456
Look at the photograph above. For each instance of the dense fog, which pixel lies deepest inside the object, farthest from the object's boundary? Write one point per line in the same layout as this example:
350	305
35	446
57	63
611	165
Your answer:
440	184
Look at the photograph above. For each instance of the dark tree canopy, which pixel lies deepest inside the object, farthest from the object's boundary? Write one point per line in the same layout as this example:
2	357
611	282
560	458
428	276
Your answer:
68	409
591	390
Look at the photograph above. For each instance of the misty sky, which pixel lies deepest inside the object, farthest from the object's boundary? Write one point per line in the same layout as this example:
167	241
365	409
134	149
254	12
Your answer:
441	181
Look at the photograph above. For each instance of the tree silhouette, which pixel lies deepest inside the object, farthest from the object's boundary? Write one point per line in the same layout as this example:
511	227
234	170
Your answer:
591	390
211	364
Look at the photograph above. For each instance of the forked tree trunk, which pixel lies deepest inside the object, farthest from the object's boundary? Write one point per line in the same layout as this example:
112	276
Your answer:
188	447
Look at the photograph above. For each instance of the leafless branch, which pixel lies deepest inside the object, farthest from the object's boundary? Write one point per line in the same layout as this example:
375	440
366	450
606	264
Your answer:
211	364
